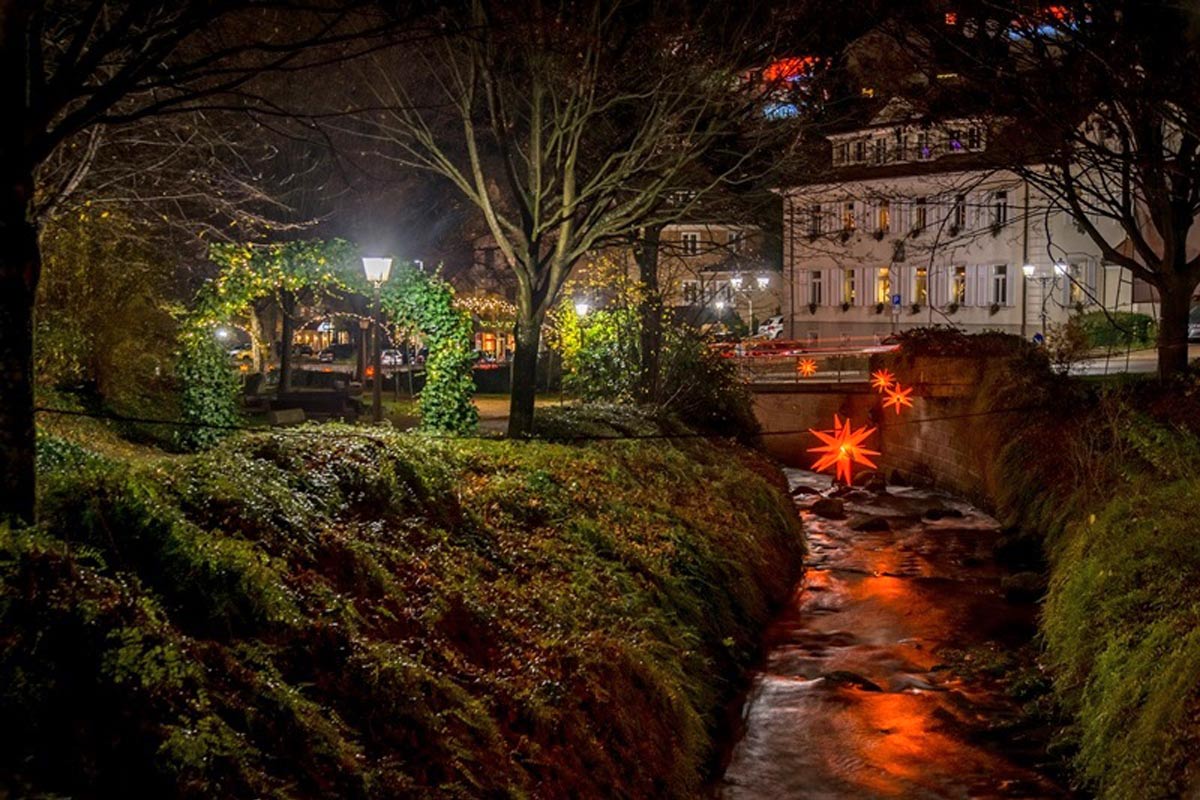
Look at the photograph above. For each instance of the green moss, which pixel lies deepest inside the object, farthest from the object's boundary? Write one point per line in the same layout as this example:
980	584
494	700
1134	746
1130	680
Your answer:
388	615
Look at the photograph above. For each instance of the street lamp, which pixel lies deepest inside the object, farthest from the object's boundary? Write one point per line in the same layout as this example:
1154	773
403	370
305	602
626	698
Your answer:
582	307
735	282
1027	270
377	270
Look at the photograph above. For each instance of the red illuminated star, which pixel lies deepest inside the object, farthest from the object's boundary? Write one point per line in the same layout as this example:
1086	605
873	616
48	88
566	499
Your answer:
842	448
882	379
806	367
898	397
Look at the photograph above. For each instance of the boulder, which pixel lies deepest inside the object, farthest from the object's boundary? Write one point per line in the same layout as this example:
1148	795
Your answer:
898	478
876	484
863	478
870	524
1023	587
844	677
941	512
829	508
803	490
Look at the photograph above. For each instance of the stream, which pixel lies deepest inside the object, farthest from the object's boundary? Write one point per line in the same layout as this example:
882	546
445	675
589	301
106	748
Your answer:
857	695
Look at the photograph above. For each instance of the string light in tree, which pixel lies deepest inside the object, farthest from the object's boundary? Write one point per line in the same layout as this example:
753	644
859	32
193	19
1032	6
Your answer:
806	367
842	448
898	398
882	379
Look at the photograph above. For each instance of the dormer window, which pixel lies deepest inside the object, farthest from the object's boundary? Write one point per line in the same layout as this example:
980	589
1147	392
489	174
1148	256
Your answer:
954	140
924	151
841	153
880	151
860	150
974	138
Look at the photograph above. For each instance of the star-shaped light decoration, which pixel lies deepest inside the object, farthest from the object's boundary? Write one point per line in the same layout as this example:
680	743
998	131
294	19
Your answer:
882	380
806	367
842	448
898	397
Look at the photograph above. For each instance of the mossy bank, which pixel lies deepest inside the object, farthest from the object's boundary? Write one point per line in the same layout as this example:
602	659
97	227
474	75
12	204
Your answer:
1103	477
331	612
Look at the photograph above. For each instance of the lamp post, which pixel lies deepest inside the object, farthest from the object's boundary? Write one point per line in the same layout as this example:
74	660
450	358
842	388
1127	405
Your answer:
377	270
762	281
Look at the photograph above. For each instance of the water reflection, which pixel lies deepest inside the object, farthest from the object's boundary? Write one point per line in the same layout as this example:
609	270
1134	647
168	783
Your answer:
852	700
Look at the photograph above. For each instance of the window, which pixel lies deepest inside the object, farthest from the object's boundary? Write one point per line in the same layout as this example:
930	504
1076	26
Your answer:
816	290
849	287
860	150
958	285
814	220
954	139
718	291
901	145
735	242
848	220
974	138
924	151
921	286
883	216
841	153
883	285
919	215
958	216
691	292
880	151
690	241
1000	284
999	209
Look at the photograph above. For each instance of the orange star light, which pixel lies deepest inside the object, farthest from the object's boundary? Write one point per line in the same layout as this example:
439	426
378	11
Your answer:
806	367
842	448
897	397
882	379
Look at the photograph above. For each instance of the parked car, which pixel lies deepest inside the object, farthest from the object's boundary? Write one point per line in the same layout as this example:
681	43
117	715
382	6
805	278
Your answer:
243	352
302	349
335	352
391	358
772	328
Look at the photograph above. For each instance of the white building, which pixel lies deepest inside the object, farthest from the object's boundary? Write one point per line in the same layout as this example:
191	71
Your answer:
910	226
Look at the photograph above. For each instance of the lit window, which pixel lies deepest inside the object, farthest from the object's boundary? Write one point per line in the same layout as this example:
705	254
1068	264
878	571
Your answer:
951	18
885	216
921	286
958	285
849	287
868	91
883	285
848	220
690	240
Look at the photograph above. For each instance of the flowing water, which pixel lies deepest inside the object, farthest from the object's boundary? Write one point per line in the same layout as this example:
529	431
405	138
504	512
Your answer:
855	698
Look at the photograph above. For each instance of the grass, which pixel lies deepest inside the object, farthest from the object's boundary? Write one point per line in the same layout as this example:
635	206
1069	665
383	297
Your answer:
336	612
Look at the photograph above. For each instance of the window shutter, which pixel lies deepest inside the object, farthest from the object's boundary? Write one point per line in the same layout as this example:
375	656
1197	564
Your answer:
983	289
938	293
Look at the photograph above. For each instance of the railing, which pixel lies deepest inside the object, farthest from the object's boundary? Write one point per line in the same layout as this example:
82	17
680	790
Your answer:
800	362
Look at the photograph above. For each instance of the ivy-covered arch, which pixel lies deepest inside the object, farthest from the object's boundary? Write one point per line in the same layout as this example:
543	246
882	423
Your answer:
248	273
424	302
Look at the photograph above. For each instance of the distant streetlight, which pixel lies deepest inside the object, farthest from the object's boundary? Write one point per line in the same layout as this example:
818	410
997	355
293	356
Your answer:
222	333
720	305
736	281
377	270
763	281
582	307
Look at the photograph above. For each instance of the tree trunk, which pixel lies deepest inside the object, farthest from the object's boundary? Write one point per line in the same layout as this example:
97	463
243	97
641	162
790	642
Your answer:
288	304
20	266
1174	308
524	378
651	312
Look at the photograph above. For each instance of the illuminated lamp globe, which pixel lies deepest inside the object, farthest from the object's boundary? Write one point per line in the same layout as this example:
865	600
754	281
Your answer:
377	269
1061	268
582	307
1029	269
763	281
736	280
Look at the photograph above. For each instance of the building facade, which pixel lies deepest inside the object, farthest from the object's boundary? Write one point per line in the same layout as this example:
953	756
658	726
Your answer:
910	226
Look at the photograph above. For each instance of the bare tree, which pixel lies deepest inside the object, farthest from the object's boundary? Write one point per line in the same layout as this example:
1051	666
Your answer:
1108	97
565	123
70	70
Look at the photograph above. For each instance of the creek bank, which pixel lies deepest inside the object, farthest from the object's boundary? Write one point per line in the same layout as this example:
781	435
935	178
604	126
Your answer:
338	612
892	672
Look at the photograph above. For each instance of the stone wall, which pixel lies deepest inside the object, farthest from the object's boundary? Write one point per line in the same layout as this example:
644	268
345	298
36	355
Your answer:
948	437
